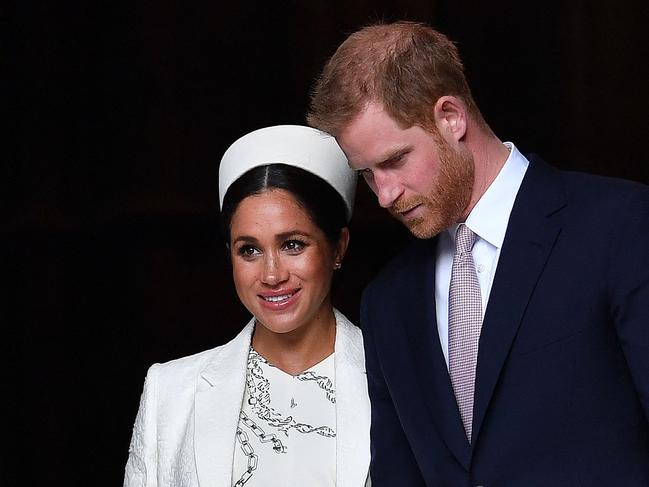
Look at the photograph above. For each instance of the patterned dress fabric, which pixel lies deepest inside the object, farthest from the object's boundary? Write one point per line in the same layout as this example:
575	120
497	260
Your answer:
465	322
287	427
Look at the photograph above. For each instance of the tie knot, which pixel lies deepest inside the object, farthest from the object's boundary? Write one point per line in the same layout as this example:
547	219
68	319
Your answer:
464	239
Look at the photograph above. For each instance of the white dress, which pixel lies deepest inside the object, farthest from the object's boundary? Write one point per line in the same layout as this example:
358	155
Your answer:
286	434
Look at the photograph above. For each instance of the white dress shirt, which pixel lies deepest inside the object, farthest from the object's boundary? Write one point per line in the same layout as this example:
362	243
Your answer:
488	220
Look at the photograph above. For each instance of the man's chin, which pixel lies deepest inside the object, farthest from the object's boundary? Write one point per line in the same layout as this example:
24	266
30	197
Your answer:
422	228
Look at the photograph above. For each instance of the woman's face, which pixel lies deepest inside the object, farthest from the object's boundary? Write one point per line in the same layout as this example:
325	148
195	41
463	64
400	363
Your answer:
282	263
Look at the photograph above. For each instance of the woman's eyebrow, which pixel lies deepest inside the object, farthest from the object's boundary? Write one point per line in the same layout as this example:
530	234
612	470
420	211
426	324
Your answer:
245	239
280	236
291	233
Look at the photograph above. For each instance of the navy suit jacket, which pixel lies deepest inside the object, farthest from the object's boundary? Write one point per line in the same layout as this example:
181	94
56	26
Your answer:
562	381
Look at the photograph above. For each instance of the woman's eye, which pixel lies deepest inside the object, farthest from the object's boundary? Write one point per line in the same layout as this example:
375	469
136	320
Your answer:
294	245
248	251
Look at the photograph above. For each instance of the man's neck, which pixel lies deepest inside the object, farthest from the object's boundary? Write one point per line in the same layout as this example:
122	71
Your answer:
489	155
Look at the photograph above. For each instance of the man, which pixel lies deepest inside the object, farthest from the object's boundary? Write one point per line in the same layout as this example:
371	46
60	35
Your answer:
509	345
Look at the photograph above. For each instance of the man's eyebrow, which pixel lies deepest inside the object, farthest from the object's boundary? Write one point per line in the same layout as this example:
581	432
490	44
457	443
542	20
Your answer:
393	154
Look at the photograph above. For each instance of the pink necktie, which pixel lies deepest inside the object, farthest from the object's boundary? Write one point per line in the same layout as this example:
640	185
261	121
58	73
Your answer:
464	323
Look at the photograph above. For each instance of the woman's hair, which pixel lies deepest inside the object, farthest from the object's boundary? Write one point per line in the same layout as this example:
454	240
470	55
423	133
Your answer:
321	201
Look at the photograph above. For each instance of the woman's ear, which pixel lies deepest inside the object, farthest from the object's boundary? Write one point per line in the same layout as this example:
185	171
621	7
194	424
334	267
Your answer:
341	247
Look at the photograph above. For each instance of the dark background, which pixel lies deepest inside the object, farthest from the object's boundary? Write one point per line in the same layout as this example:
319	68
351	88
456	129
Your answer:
117	114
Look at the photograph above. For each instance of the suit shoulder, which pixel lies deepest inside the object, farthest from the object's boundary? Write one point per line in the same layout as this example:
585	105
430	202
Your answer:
601	186
605	198
592	197
417	253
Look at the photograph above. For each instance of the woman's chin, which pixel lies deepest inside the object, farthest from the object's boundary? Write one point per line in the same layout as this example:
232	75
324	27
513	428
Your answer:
278	322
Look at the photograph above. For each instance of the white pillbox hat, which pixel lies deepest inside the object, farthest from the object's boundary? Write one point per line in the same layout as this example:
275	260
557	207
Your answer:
295	145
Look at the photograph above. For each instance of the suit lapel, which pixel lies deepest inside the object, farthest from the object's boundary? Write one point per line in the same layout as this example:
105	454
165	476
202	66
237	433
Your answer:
531	234
420	321
217	411
352	406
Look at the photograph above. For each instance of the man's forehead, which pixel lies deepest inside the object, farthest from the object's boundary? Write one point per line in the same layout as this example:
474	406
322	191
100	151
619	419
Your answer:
365	125
371	137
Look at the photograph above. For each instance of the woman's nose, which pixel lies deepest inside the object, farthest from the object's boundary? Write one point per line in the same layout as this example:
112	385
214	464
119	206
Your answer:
274	271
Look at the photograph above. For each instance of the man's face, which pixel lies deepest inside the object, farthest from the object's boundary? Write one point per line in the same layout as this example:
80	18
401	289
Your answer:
416	175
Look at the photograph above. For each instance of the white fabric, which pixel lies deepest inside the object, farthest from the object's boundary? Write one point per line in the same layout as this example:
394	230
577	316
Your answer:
287	435
185	430
488	220
295	145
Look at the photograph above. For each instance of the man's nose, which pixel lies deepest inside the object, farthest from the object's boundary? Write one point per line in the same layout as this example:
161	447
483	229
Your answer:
387	189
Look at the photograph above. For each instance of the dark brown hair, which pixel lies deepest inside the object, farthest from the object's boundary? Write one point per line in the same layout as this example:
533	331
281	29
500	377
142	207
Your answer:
321	201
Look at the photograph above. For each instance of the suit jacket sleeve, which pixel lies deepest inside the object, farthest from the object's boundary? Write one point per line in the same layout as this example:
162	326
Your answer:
141	467
392	461
629	290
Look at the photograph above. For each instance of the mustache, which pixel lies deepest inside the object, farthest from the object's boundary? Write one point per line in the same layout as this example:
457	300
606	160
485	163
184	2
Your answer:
403	205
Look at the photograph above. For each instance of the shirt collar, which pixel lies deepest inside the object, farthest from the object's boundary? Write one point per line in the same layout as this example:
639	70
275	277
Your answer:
489	217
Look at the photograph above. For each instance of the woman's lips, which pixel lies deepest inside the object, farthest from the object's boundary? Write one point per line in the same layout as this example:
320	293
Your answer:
279	300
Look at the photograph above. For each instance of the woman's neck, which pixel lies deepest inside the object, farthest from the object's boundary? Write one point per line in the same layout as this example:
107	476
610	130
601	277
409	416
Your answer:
298	350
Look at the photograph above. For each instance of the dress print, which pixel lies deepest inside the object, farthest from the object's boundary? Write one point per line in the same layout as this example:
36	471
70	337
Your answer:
286	433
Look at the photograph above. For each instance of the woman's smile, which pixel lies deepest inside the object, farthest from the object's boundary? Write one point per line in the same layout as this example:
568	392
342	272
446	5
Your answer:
280	300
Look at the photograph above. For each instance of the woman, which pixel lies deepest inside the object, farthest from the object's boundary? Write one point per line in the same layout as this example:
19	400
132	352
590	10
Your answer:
284	403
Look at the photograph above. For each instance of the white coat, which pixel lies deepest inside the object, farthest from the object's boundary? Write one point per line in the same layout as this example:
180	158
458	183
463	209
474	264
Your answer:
184	433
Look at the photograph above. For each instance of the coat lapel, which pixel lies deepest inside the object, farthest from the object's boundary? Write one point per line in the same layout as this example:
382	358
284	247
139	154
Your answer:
420	321
217	410
531	234
217	414
352	406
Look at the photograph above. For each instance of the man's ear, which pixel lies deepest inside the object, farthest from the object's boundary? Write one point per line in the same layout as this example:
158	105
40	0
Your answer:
451	118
